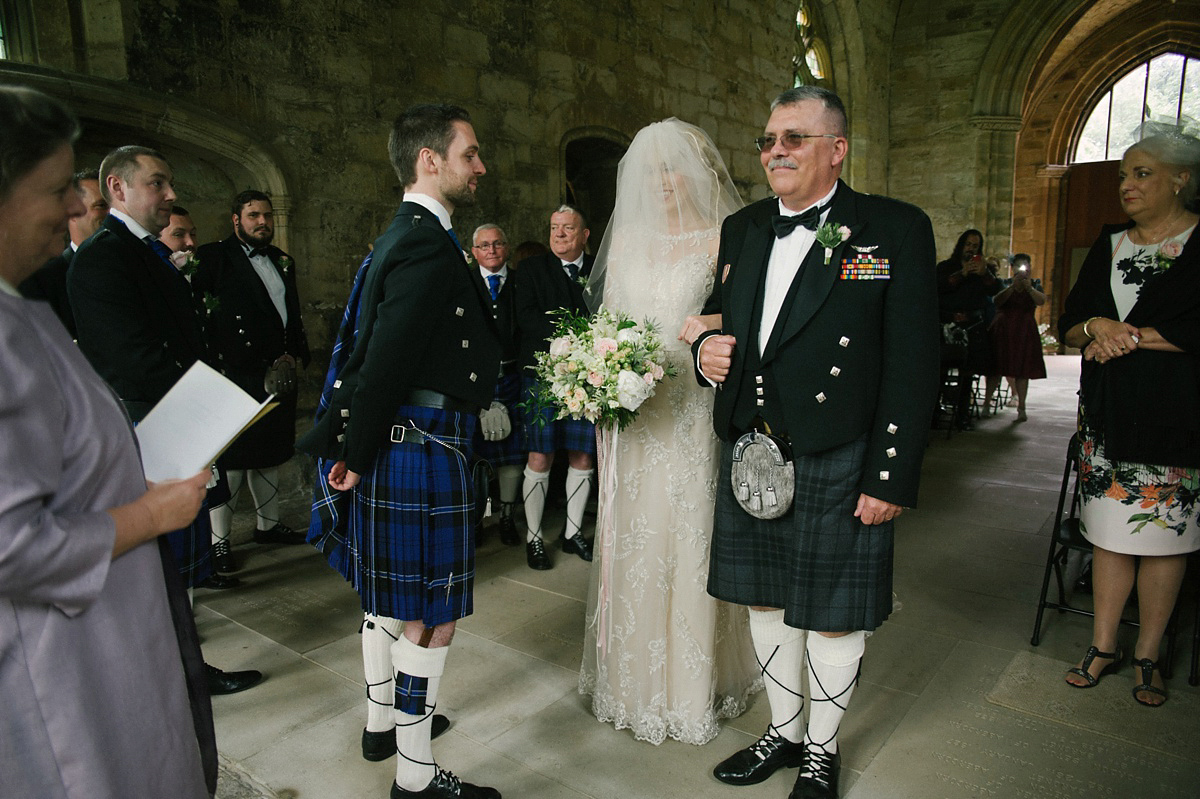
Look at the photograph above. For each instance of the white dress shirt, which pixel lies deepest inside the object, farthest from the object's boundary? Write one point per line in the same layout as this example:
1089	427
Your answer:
271	278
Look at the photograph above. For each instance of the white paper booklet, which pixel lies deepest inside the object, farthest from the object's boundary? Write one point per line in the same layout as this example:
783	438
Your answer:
195	422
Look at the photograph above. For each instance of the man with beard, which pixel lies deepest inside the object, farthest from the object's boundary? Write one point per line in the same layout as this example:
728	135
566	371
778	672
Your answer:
138	327
50	282
398	429
255	335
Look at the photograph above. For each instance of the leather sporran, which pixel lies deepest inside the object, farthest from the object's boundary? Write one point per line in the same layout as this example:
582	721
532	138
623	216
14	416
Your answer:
281	376
763	477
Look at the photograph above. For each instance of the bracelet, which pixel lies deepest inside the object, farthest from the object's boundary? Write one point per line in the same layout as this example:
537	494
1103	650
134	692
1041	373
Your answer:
1087	332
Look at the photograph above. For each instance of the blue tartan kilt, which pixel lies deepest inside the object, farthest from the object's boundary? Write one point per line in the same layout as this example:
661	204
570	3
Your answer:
410	543
575	435
825	568
192	549
508	451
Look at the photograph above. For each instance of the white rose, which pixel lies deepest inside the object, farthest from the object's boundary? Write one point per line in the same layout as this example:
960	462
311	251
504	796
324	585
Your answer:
560	347
632	391
629	335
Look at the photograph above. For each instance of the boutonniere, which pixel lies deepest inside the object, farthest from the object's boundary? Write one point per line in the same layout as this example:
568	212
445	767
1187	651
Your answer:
186	262
830	235
582	281
467	256
1166	255
211	303
285	264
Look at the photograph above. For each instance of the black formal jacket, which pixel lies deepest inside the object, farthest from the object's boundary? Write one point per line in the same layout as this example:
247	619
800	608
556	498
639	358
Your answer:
544	287
50	284
503	311
426	322
1146	404
245	336
848	359
134	315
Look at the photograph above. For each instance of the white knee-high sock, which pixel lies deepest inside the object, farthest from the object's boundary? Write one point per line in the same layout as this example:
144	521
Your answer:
418	674
264	487
579	486
509	478
535	501
378	635
780	652
833	666
221	517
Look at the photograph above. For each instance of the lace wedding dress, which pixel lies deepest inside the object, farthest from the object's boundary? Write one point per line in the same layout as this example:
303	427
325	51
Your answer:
661	657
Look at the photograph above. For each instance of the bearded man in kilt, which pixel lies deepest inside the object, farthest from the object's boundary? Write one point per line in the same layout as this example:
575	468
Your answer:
398	430
829	342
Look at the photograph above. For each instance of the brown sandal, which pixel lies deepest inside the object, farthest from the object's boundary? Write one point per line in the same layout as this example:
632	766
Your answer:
1148	666
1082	669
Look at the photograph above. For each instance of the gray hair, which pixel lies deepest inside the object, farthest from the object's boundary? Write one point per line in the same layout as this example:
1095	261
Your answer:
1178	151
32	126
487	226
832	103
567	208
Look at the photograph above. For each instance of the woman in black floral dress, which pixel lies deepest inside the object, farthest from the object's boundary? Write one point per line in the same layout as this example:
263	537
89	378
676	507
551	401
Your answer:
1135	313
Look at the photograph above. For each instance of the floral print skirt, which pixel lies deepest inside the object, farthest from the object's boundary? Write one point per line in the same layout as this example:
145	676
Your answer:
1136	508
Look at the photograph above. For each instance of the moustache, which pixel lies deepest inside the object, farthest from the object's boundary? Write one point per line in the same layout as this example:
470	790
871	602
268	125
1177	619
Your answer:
780	163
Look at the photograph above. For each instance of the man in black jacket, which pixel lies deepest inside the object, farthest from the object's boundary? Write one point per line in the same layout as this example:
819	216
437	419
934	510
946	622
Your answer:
828	342
253	328
549	283
399	427
138	327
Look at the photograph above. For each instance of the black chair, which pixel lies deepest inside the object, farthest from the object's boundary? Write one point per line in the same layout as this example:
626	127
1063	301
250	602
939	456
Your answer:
1065	537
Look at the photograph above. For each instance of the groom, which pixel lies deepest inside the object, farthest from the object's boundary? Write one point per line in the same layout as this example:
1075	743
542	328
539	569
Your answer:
832	346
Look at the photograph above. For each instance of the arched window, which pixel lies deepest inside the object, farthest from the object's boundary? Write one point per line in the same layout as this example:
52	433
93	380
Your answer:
810	59
1164	89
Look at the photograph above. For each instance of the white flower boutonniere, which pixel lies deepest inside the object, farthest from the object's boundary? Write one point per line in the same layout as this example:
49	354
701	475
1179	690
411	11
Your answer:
830	235
186	262
285	264
1166	255
582	281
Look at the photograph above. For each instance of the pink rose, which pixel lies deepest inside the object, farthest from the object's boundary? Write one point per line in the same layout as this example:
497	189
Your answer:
595	378
179	259
844	232
649	378
1171	249
560	347
604	346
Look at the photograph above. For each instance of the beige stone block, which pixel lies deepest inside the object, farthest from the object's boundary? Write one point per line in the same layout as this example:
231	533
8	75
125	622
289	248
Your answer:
467	45
555	69
507	89
647	66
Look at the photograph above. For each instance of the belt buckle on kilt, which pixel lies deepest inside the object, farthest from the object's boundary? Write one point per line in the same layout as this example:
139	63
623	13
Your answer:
406	435
763	476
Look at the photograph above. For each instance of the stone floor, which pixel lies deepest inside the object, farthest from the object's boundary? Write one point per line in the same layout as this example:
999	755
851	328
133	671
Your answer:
954	702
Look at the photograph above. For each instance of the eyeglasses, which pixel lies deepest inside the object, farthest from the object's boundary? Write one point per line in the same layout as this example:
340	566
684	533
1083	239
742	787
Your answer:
491	245
791	141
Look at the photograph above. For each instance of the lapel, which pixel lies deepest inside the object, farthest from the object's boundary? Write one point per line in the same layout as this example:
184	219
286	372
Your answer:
173	287
814	282
249	276
747	275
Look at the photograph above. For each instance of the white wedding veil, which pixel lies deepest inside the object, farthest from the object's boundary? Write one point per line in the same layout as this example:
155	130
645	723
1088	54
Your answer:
670	183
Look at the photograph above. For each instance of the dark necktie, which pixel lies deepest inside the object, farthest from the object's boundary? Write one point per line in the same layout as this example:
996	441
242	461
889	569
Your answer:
810	219
161	250
572	271
494	286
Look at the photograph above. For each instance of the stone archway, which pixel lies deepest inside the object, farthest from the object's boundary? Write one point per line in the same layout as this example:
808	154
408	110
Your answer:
1068	75
212	157
589	157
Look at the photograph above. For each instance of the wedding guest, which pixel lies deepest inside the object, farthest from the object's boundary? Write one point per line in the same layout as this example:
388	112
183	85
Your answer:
660	656
50	282
256	337
843	371
140	331
1135	313
964	286
1016	342
99	649
495	440
404	453
549	283
180	233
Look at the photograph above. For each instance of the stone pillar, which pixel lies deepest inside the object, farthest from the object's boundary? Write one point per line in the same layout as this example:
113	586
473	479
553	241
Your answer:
995	153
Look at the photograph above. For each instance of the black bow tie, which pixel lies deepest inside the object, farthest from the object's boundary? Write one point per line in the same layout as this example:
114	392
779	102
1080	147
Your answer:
810	219
258	251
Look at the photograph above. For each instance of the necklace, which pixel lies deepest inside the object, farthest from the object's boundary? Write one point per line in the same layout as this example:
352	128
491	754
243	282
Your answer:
1152	239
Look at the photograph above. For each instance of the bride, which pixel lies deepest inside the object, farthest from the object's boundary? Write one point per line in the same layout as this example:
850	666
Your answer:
661	657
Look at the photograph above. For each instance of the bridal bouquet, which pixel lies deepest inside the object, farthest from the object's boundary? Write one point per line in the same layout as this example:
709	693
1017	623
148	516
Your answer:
601	368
